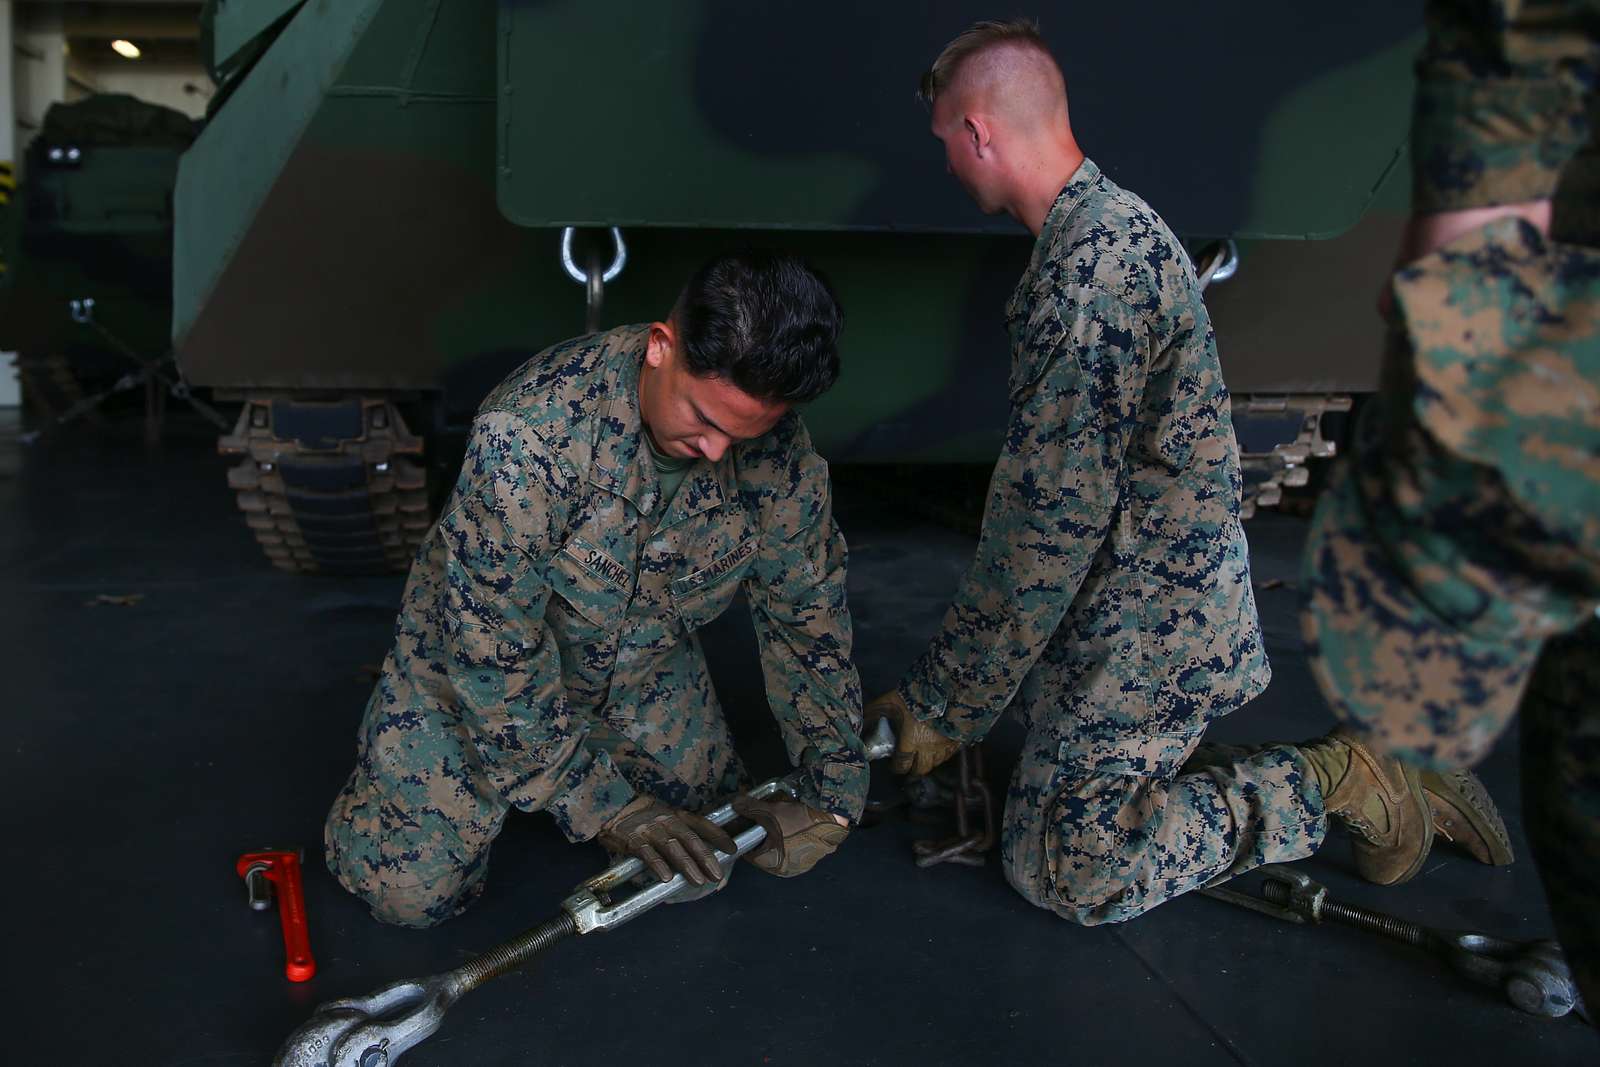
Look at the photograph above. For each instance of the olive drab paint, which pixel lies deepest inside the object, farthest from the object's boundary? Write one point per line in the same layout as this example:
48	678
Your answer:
370	208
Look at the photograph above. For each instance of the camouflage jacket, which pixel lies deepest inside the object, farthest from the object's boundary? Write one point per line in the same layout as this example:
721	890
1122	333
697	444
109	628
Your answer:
1466	529
1111	536
1505	98
554	582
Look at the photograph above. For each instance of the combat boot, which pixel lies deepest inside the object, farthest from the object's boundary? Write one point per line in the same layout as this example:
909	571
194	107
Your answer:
1379	800
1465	815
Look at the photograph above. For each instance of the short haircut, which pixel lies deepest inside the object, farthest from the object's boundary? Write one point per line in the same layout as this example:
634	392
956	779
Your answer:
979	37
765	321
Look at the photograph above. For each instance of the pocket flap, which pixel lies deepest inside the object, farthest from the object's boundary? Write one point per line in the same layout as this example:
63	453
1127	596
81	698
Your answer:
719	569
593	584
705	594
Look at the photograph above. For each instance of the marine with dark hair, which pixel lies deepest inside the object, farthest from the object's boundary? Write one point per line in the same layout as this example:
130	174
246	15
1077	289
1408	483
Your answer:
618	490
763	321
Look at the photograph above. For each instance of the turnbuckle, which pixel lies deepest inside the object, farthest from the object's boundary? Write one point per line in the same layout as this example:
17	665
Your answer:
594	905
375	1030
1533	975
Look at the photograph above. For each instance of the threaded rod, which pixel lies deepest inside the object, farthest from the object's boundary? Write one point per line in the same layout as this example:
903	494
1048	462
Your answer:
1377	923
515	953
1349	915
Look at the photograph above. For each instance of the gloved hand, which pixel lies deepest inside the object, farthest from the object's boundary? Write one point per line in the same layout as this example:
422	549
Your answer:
667	839
918	747
798	837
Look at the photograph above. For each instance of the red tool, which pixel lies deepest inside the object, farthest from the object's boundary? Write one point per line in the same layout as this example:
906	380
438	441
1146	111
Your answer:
262	871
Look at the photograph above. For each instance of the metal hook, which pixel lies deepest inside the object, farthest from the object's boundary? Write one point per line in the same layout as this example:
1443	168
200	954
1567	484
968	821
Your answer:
577	274
1224	264
593	298
593	280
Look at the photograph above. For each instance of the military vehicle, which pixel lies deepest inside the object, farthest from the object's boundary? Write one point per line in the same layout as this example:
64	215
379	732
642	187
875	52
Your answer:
87	290
395	202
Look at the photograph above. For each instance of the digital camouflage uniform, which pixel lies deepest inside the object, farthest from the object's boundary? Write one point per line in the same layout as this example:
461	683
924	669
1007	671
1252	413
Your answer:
1110	600
1454	571
546	657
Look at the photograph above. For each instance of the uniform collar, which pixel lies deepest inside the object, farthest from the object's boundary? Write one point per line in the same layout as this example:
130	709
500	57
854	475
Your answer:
1025	365
708	485
622	463
1072	195
1085	178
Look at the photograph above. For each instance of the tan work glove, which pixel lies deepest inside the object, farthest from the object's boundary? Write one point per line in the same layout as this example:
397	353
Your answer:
918	747
667	839
798	837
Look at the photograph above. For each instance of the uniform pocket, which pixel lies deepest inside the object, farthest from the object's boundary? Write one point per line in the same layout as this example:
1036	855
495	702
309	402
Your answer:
1104	803
383	841
1032	345
589	597
703	595
590	587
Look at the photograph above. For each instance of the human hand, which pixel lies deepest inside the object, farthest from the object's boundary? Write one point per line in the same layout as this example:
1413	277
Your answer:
1426	234
798	837
918	747
667	839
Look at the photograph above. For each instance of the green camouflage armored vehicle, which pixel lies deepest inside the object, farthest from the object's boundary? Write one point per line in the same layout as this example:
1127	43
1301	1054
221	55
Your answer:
395	202
91	229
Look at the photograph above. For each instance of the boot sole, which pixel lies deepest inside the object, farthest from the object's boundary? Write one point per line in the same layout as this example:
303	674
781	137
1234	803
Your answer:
1462	811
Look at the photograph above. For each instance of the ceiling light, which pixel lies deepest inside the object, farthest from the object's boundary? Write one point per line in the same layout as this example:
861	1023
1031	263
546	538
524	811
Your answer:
125	49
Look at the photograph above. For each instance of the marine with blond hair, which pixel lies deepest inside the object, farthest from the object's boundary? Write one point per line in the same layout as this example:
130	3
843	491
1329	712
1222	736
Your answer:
1109	604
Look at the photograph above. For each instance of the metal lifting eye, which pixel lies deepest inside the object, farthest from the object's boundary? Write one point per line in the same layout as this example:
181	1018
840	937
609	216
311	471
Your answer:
1221	264
593	280
581	276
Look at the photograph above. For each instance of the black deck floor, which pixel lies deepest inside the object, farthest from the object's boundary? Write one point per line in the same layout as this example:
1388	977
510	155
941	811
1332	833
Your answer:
147	745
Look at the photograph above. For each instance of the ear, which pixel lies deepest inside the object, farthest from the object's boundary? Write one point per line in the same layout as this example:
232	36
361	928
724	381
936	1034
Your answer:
979	132
663	342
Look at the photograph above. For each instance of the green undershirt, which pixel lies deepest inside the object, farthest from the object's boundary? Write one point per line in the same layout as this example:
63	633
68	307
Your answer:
670	469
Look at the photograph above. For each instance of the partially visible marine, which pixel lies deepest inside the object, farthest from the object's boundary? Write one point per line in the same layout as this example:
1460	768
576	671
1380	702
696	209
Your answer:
397	201
86	294
1452	572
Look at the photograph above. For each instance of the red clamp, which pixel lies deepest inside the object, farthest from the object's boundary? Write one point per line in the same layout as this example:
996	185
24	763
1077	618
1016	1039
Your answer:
262	871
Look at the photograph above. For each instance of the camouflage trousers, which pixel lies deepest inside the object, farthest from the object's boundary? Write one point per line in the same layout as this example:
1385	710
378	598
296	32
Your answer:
1561	793
415	846
1102	831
